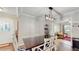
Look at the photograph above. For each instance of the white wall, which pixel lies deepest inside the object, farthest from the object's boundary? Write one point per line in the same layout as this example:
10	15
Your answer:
30	26
6	37
39	24
26	27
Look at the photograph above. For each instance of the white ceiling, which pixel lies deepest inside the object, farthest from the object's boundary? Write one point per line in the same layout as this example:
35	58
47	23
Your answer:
39	11
9	10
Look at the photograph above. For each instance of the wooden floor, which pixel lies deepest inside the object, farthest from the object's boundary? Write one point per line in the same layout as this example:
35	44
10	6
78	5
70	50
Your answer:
64	47
6	47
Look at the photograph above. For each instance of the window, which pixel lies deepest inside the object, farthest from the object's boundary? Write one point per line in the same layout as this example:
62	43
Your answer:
4	26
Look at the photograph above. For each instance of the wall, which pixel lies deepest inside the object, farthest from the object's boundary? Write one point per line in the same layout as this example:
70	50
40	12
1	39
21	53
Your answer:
26	26
25	30
30	26
6	37
39	24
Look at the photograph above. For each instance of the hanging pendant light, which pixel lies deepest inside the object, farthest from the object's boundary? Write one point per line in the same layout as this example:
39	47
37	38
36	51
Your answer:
50	16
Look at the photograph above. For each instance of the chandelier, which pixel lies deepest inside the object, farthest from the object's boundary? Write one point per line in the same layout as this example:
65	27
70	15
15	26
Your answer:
50	15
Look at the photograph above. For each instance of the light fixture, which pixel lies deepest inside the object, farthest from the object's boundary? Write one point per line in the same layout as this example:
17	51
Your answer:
50	16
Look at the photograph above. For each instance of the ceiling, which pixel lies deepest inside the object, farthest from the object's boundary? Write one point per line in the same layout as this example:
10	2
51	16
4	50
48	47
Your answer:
9	10
39	11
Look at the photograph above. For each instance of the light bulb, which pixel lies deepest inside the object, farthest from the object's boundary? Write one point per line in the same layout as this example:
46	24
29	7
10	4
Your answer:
47	17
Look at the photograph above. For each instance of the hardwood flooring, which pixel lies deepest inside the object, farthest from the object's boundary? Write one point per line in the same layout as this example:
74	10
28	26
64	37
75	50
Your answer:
6	47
